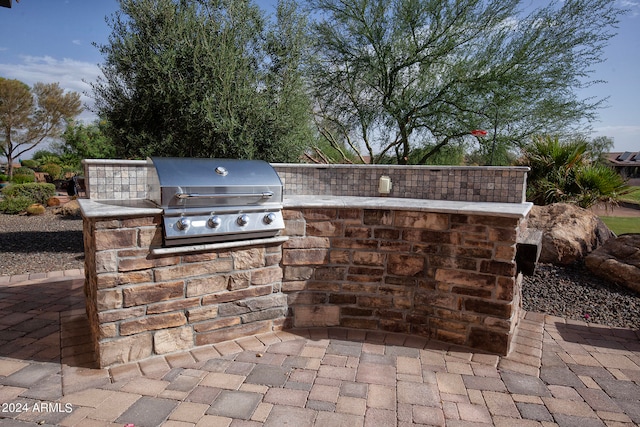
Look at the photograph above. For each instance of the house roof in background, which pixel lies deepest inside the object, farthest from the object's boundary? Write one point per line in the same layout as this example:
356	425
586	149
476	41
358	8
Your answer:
626	158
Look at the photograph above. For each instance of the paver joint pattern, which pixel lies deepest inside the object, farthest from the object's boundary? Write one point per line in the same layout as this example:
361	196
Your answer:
560	373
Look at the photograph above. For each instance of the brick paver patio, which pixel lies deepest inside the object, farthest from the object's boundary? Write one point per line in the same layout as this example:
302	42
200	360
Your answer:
563	373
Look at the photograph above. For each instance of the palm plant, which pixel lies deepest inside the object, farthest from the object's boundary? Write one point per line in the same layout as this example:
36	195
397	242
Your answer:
562	172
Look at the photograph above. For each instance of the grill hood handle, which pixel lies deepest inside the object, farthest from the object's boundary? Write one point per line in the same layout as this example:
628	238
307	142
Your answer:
264	195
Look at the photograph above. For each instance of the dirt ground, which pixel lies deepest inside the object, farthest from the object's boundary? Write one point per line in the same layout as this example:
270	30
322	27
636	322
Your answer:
620	211
624	210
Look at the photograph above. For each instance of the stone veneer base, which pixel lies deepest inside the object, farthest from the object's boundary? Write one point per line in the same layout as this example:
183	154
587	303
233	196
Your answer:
438	269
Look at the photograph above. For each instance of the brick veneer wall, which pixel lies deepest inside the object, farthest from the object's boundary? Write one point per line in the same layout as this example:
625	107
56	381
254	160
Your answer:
451	277
141	305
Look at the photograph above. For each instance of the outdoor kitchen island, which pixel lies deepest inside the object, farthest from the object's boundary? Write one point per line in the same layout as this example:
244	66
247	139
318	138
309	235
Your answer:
442	269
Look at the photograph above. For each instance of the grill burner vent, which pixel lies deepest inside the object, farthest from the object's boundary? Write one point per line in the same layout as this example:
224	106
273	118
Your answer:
215	200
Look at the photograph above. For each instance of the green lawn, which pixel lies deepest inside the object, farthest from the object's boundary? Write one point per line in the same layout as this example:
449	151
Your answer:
621	225
634	196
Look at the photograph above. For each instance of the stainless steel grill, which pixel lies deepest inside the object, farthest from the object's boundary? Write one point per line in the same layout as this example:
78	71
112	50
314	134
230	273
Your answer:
215	200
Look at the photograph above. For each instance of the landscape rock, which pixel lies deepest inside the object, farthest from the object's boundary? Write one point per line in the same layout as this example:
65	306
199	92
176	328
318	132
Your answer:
36	209
569	232
71	208
53	201
618	260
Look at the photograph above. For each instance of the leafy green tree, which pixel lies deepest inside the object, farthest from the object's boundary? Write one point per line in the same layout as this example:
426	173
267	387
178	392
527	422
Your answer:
394	76
86	141
289	128
59	164
326	153
204	78
45	156
564	172
28	116
451	154
599	147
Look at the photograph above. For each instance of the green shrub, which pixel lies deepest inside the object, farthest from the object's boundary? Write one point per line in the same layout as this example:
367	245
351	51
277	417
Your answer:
31	164
15	205
23	179
54	171
24	171
35	192
3	178
599	183
23	175
561	172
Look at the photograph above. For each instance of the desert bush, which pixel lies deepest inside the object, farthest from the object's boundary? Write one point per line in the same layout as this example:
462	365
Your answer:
15	205
563	172
31	164
23	175
23	179
35	192
54	170
600	183
24	171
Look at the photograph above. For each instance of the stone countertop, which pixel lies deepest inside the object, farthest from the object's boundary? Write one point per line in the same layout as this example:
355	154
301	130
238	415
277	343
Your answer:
139	207
519	210
117	208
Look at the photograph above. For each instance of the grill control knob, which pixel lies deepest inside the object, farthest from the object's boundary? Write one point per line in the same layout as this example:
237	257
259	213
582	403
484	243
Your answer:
182	224
269	218
214	222
243	220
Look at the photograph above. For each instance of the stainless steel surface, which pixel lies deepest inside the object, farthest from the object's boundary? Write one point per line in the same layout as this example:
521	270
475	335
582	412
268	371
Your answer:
266	195
214	200
269	218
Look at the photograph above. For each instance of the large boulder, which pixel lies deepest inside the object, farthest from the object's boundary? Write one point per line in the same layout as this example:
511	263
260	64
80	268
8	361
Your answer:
569	233
618	260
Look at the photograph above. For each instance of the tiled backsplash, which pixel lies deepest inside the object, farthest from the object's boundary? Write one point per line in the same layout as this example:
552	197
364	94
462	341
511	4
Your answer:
127	179
474	184
116	179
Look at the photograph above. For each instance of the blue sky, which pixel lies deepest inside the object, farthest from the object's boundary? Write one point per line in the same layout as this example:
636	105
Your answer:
51	41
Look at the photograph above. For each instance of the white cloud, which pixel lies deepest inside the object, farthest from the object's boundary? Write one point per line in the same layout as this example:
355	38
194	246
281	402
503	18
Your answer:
70	74
620	129
77	42
625	137
628	3
633	6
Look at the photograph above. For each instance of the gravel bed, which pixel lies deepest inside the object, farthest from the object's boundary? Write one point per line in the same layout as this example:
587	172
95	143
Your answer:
573	292
37	244
40	243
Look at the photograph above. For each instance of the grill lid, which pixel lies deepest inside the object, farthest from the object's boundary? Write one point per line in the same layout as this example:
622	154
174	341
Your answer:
214	200
188	183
